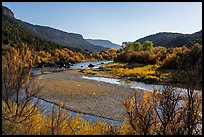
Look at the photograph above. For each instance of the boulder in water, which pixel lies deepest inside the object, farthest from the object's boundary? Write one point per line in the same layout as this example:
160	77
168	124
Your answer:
91	65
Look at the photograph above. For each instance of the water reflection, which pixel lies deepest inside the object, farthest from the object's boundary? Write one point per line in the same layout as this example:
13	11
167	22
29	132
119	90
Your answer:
126	83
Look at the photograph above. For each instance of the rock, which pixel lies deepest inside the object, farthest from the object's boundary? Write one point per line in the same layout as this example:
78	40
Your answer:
67	66
91	65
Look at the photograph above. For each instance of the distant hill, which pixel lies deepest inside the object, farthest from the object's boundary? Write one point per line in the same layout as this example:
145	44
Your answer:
13	33
63	38
104	43
53	35
173	39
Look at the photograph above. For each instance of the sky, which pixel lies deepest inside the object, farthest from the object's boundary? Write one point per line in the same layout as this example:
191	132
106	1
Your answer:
114	21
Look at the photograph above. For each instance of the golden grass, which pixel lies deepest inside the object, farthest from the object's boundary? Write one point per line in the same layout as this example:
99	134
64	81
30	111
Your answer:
88	71
148	72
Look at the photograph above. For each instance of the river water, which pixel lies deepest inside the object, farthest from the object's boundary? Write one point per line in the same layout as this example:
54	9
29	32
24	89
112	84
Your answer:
47	106
135	84
83	65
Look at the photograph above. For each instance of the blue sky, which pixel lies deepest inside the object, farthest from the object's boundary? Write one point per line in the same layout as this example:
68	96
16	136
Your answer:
114	21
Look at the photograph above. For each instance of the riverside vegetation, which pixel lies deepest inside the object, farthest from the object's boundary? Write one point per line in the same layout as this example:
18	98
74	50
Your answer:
158	113
146	63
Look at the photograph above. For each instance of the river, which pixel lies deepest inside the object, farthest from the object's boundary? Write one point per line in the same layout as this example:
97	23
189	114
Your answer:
97	64
126	83
81	65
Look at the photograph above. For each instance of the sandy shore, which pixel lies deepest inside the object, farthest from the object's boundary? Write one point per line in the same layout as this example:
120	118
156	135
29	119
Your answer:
86	96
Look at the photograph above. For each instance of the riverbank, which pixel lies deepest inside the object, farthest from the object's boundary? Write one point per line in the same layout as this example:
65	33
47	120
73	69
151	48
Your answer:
86	96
